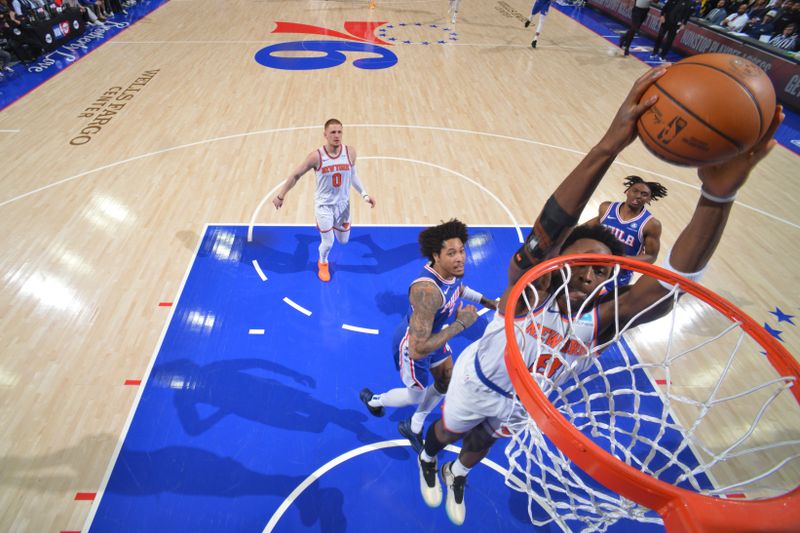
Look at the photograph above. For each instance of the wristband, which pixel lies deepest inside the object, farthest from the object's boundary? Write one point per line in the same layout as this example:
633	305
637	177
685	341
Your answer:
691	276
717	199
464	326
365	196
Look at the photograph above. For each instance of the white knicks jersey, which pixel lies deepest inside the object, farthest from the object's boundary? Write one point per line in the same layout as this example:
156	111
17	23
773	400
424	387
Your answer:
333	177
539	335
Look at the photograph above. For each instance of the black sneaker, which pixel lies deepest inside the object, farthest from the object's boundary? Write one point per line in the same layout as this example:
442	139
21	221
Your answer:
429	483
404	427
366	395
527	23
455	507
533	43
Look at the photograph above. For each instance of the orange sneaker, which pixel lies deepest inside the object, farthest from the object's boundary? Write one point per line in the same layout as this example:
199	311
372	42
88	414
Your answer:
323	273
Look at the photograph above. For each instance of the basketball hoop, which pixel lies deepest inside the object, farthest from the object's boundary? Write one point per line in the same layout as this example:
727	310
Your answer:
634	452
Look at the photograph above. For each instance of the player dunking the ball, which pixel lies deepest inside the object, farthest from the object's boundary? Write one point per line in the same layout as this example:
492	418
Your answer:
632	223
481	405
420	346
335	166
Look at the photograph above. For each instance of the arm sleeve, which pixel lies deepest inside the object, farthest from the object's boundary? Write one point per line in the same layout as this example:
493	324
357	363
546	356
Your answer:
471	295
356	182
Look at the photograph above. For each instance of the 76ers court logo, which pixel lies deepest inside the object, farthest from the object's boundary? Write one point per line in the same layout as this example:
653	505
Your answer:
305	55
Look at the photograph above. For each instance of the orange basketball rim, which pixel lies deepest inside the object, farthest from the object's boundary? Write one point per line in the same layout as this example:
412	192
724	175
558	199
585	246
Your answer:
681	510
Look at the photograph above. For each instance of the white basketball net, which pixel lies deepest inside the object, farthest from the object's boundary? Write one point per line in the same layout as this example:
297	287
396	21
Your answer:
730	435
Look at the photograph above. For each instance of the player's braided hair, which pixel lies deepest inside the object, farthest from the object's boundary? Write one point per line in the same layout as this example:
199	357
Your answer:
431	240
656	189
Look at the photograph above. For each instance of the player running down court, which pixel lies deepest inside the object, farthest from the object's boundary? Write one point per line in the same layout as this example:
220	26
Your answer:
335	166
541	7
420	344
632	223
480	405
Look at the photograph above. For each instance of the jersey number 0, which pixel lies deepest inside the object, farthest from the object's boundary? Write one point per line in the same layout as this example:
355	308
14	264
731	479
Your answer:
336	180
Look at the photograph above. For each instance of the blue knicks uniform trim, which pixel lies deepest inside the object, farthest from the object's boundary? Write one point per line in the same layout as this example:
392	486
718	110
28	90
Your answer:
628	232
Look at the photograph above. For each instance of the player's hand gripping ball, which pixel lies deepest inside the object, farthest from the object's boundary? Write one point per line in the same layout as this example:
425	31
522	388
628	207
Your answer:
710	107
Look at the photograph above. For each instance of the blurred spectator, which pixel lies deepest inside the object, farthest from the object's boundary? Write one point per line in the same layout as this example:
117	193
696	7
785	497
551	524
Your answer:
758	9
114	6
718	14
736	21
5	58
756	28
97	7
787	13
87	12
8	17
787	40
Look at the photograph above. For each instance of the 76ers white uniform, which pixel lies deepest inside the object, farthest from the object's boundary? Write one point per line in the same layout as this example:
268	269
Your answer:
480	389
332	197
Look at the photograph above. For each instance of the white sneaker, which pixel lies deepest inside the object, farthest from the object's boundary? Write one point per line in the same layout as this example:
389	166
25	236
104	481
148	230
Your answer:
429	483
455	507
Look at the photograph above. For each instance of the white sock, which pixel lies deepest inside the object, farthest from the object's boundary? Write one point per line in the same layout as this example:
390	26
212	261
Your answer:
539	25
425	457
429	402
325	246
459	469
397	398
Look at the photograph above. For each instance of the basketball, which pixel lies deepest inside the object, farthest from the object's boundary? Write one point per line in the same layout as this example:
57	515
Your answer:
710	107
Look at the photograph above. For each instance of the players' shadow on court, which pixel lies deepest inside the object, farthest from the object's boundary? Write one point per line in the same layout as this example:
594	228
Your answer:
392	303
195	472
58	470
206	394
188	239
265	249
377	260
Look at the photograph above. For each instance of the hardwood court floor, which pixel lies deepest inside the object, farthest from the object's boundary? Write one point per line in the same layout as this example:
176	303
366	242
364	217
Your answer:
95	235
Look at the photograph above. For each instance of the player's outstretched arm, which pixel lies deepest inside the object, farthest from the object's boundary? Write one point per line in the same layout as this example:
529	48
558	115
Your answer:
425	299
311	161
474	296
564	207
699	239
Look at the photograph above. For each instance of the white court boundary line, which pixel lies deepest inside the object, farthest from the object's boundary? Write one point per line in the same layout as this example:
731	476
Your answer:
259	271
336	461
288	301
358	329
400	126
140	392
